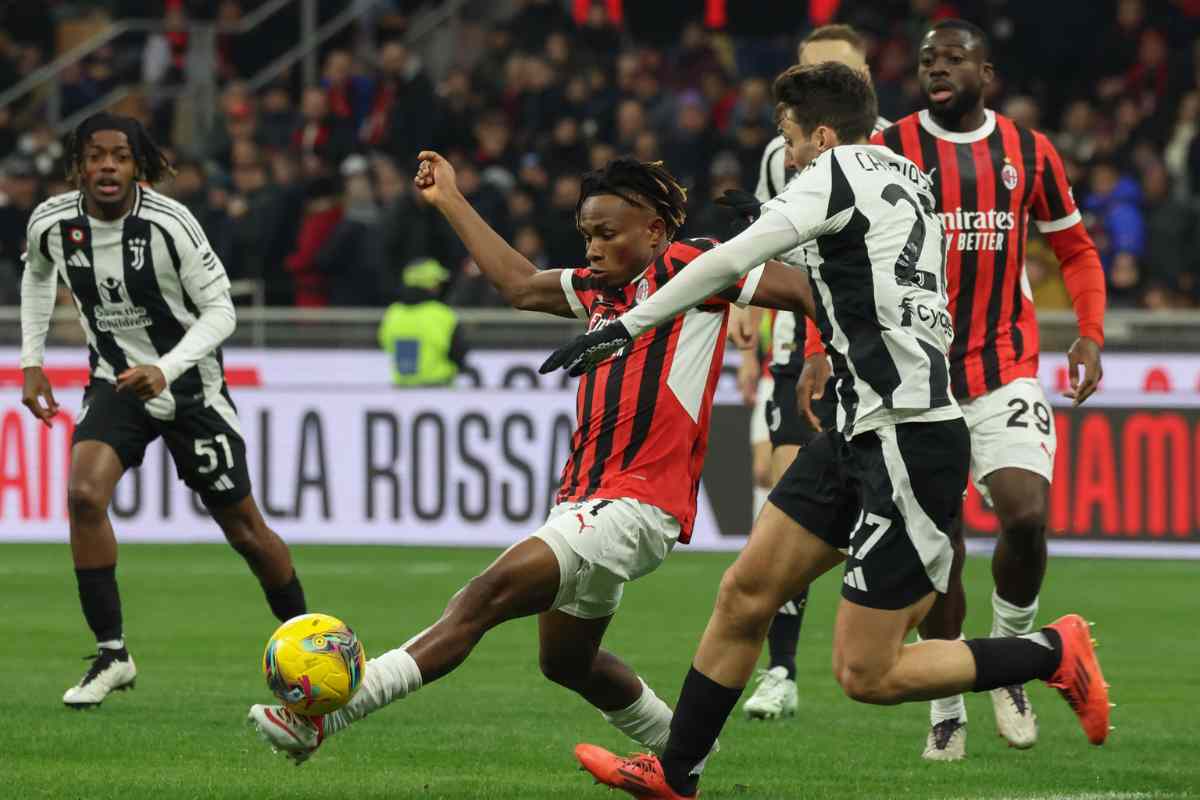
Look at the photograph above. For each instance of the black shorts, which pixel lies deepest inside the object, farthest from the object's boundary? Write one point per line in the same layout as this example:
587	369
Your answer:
887	497
208	451
785	423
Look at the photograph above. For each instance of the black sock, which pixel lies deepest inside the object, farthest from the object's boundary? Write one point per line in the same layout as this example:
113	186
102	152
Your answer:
784	634
703	707
287	601
1014	660
101	601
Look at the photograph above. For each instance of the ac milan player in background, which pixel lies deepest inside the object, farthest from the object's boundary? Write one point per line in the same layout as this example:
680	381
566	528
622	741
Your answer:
628	491
991	176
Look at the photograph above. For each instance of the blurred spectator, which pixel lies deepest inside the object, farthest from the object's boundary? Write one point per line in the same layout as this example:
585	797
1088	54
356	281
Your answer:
349	93
1116	48
693	143
400	120
352	258
1023	110
454	113
1045	276
420	332
706	218
566	151
563	246
322	213
320	131
1171	259
18	196
277	117
1176	154
1077	139
755	107
1117	226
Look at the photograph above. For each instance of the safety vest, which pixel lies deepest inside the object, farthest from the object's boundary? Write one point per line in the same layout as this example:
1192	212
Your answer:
417	337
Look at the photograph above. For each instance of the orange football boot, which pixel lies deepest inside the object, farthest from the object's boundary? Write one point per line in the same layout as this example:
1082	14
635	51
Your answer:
641	775
1078	677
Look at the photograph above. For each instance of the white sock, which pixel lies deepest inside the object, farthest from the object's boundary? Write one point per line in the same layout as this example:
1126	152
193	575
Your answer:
387	678
1011	620
112	644
945	708
647	720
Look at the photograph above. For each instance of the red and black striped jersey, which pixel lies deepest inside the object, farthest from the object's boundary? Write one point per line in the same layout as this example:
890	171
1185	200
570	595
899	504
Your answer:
642	417
987	185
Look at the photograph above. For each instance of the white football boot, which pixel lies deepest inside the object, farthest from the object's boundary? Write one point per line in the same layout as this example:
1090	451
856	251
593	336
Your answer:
295	736
947	741
775	697
111	671
1015	719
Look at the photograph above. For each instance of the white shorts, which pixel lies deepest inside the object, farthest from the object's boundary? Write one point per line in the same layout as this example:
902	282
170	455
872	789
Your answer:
758	420
1012	426
602	544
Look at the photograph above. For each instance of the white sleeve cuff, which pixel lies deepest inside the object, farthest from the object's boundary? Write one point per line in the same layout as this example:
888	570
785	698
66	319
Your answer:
565	277
1054	226
750	286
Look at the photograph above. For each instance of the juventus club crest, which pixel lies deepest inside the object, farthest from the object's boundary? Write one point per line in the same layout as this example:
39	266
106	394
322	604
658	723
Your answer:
1008	175
137	253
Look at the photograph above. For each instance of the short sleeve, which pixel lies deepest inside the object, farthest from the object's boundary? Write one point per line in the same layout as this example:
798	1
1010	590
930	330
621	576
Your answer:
772	171
818	201
200	270
1054	206
576	288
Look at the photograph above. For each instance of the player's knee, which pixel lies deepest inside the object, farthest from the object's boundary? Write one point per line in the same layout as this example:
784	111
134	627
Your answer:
87	501
483	601
1027	527
863	684
569	671
742	599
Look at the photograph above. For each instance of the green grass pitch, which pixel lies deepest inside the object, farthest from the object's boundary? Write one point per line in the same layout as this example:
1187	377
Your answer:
196	623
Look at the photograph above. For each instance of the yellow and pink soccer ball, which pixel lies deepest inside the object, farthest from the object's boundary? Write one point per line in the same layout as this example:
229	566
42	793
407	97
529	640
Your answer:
313	664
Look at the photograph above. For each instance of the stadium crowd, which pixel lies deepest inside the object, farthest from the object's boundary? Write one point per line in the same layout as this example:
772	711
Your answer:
309	189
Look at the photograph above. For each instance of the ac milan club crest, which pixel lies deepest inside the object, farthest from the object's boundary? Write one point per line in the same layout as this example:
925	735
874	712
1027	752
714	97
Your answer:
643	291
1008	176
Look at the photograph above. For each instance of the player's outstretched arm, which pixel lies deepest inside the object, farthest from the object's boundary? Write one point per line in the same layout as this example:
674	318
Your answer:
705	276
522	284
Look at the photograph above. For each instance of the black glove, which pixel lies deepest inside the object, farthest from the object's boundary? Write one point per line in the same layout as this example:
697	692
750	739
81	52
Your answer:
584	353
744	204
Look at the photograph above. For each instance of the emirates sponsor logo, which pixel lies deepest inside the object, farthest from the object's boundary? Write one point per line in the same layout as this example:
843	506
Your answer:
977	230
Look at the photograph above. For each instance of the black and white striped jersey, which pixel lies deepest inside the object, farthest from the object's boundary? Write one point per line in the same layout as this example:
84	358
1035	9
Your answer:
787	343
138	283
875	250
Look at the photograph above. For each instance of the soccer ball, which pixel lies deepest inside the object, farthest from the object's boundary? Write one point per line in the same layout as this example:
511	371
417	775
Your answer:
313	663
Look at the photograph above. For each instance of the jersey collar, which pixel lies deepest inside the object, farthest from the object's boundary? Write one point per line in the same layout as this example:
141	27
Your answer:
982	132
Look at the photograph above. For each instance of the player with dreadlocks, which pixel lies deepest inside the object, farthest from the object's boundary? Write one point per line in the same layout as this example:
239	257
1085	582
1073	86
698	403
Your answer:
154	305
628	490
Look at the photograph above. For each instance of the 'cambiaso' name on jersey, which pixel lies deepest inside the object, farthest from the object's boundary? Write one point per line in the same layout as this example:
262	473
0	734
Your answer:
643	415
987	184
137	282
873	247
787	343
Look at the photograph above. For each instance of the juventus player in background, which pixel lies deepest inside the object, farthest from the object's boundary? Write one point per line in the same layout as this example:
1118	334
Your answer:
885	485
154	304
628	490
776	694
990	177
